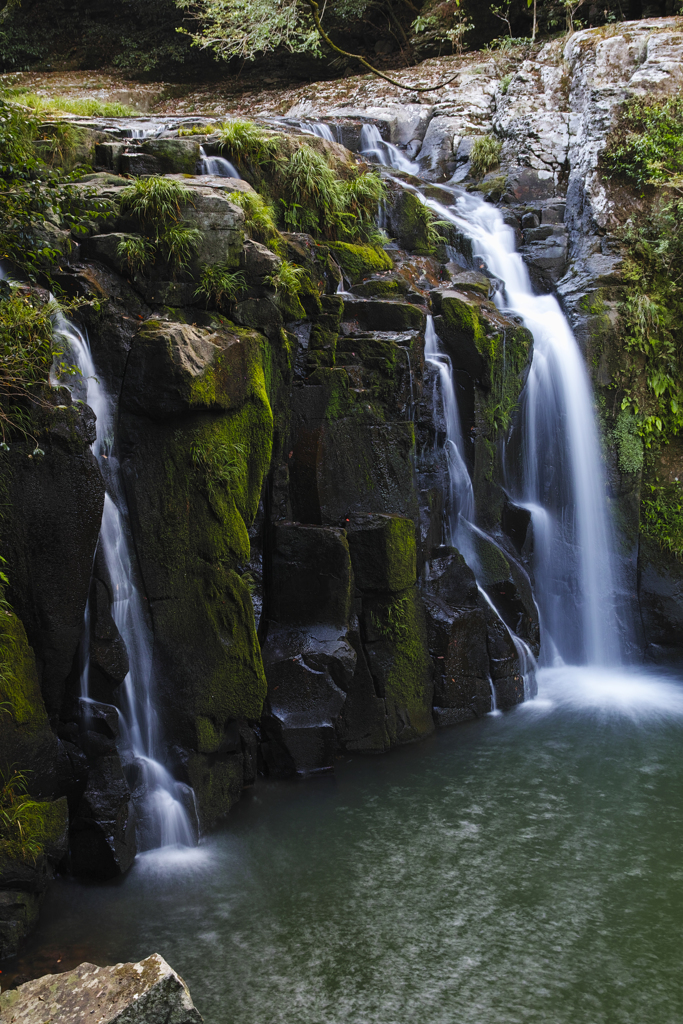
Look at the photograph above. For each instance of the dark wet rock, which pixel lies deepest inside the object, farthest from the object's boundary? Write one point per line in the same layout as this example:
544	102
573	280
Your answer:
311	575
149	992
382	551
660	594
49	533
103	842
384	315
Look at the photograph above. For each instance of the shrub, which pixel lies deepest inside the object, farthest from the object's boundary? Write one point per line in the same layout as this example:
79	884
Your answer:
26	355
485	155
661	517
646	145
651	322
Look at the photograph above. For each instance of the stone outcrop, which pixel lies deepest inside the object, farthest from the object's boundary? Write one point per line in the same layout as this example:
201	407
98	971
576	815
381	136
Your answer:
149	992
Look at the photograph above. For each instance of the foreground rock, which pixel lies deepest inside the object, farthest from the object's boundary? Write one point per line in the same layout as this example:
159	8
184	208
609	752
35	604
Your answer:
149	992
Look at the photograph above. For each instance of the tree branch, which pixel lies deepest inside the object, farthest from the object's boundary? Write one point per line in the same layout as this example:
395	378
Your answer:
356	56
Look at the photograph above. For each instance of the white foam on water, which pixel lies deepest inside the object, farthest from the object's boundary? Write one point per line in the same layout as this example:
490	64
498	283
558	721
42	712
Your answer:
615	692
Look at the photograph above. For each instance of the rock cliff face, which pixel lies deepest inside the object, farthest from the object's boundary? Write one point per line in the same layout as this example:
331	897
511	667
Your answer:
282	455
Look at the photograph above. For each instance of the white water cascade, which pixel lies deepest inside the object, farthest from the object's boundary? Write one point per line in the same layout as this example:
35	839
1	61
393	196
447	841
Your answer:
373	146
323	131
164	806
461	494
562	481
217	165
460	506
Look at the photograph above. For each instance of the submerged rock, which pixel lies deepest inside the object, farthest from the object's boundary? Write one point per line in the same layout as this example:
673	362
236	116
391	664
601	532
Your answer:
149	992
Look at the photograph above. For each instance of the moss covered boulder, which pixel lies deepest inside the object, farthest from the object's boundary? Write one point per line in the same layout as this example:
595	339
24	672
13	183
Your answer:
359	261
26	739
398	657
383	551
197	434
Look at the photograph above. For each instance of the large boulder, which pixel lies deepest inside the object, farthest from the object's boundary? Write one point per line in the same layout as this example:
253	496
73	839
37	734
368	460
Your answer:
149	992
196	440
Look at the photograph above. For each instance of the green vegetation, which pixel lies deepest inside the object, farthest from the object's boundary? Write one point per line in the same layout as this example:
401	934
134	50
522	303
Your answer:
68	105
156	203
485	155
259	219
34	199
219	462
247	142
220	285
661	517
26	355
507	354
646	145
19	838
286	280
137	251
651	322
629	443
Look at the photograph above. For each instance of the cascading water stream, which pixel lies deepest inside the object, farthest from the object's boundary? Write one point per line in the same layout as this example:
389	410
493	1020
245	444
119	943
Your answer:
217	165
164	806
323	131
562	481
461	493
373	146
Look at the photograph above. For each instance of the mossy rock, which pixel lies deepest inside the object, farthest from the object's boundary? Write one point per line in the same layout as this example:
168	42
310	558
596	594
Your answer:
359	261
195	464
385	315
409	222
398	655
380	288
383	551
217	783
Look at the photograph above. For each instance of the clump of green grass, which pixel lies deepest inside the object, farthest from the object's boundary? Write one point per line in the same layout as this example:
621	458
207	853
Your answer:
247	142
629	443
485	155
286	280
317	201
259	219
138	252
198	129
220	285
72	105
18	840
156	203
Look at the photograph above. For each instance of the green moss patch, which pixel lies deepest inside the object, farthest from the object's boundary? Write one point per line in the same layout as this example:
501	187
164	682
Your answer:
359	261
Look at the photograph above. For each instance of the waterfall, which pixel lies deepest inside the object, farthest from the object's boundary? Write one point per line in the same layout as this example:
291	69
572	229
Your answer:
373	146
461	528
217	165
323	131
562	480
160	800
461	494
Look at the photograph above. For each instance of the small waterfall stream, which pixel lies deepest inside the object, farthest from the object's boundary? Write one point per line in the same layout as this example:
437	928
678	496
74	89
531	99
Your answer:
217	165
164	806
373	146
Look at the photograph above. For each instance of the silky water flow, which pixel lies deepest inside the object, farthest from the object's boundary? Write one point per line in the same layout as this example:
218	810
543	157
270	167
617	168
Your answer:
166	815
